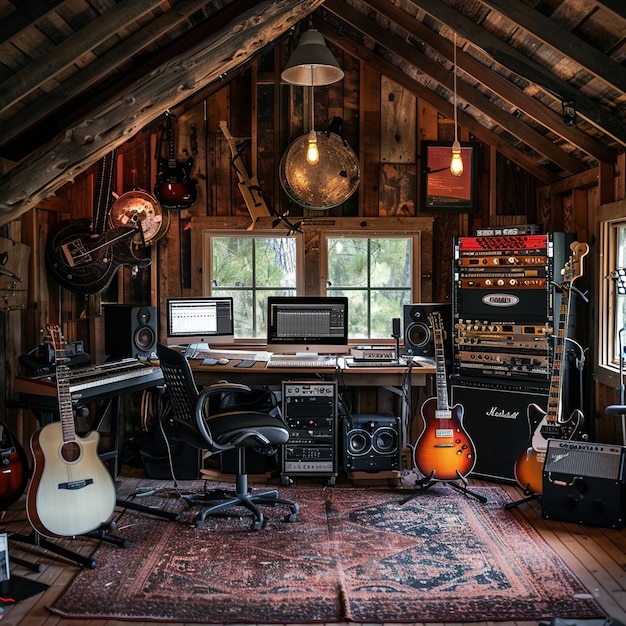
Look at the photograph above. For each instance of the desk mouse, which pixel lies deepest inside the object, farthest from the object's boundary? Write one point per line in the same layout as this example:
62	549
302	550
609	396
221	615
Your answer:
223	361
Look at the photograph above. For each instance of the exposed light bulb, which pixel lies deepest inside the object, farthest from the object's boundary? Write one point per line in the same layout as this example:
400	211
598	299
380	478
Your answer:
456	164
312	154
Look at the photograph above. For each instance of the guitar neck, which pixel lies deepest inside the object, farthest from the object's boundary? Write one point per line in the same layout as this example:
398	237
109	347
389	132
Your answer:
555	399
104	192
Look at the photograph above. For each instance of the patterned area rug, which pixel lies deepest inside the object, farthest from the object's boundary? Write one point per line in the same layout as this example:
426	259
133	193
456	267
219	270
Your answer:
354	554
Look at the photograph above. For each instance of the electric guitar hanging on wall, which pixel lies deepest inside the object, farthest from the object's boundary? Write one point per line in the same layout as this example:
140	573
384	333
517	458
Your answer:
248	185
82	254
444	450
550	423
174	187
71	492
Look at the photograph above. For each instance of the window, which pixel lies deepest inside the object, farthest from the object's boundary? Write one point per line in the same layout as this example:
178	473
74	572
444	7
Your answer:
611	292
379	273
249	266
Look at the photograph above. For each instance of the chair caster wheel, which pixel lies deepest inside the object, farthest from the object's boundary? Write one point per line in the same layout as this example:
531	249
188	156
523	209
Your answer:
258	524
290	518
199	523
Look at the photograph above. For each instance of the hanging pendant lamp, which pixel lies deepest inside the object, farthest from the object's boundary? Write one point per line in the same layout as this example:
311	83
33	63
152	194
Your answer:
456	164
312	63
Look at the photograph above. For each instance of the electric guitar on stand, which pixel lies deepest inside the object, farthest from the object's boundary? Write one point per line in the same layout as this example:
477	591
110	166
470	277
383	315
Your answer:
14	468
444	450
71	492
248	185
550	423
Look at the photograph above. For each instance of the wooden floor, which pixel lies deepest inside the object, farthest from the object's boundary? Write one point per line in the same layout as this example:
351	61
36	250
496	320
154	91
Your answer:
597	556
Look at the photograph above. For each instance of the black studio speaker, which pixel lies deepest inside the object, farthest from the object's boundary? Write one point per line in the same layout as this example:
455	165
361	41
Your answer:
371	442
584	483
418	335
130	331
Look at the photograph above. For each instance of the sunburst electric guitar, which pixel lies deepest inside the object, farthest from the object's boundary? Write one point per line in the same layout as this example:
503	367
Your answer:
71	492
550	423
444	450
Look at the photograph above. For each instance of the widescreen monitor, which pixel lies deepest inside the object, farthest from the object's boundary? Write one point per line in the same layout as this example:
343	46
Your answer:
307	324
200	320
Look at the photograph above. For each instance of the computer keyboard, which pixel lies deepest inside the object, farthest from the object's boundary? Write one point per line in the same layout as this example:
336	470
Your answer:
231	355
305	361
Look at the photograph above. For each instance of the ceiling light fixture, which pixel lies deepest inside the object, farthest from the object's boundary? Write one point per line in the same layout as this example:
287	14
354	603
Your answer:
456	164
312	63
569	112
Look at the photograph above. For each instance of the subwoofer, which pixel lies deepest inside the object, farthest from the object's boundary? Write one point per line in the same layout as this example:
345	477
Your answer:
584	483
418	335
130	331
371	442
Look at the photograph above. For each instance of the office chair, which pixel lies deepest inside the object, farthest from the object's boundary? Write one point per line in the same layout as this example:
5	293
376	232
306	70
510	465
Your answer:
224	430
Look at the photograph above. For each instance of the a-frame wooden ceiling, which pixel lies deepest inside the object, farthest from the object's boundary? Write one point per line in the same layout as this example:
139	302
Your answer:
78	77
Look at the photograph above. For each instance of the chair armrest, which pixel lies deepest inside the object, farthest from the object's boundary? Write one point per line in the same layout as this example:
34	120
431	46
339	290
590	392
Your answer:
205	394
615	409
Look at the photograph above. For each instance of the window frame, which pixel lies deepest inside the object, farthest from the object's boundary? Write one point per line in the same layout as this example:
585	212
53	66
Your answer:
207	234
609	217
416	273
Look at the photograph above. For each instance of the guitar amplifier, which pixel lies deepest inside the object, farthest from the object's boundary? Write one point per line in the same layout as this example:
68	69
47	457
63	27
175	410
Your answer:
584	483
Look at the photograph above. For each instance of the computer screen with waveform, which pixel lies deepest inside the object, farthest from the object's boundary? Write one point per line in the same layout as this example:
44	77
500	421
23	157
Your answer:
307	324
200	320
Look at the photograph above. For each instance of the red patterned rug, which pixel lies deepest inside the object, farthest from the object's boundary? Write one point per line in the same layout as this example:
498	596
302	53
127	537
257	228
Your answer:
354	554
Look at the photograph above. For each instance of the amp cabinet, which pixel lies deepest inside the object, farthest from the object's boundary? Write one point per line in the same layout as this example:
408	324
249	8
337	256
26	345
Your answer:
584	483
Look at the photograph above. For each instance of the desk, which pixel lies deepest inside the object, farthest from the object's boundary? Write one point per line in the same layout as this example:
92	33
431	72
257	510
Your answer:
398	380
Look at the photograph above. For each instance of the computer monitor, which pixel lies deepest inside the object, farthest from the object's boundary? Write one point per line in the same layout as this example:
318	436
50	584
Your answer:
307	324
200	320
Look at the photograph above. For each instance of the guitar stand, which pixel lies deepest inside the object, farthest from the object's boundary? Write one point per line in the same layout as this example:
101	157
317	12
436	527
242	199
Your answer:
529	498
428	481
127	504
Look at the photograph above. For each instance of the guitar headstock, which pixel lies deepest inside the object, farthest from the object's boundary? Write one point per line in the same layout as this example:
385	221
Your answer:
57	340
574	267
436	323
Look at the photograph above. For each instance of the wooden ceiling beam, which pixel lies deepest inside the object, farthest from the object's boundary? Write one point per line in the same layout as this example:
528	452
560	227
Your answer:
525	134
516	62
71	50
78	83
365	55
550	33
503	88
115	120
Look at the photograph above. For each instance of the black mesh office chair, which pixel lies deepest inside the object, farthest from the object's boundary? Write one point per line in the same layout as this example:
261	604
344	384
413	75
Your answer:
224	430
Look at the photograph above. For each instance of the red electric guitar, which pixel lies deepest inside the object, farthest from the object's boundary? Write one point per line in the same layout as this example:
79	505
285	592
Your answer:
71	492
550	423
14	472
174	188
444	450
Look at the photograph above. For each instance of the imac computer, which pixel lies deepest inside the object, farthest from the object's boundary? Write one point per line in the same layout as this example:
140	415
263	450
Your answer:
200	320
307	325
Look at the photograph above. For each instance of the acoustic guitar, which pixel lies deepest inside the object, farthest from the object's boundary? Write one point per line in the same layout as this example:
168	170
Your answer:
14	468
82	255
71	492
550	423
174	187
444	450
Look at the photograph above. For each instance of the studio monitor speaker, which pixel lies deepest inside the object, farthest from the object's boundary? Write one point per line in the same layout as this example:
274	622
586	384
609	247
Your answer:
584	483
371	442
418	335
130	331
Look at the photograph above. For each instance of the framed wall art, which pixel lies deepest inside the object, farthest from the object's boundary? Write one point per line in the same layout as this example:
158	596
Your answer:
440	189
